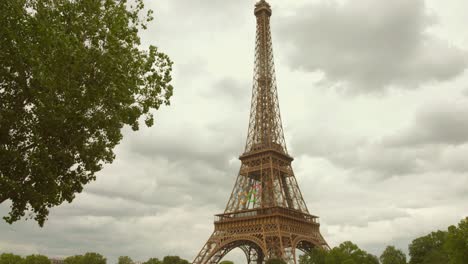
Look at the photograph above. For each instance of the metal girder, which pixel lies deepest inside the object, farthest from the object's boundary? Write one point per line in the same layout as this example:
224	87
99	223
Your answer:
266	215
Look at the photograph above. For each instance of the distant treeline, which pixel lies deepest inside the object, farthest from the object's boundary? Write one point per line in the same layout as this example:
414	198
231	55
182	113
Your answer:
88	258
440	247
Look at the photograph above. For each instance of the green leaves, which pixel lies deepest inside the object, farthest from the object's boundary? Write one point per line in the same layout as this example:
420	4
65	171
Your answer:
174	260
7	258
125	260
456	244
449	247
36	259
345	253
72	75
428	249
167	260
153	261
391	255
88	258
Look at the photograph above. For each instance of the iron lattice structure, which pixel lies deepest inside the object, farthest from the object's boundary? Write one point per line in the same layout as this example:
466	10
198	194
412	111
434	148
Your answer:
266	215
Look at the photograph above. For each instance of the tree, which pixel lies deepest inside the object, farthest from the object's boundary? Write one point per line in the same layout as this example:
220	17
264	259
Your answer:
456	244
391	255
88	258
315	256
125	260
36	259
7	258
371	259
93	258
345	253
429	249
153	261
77	259
349	252
275	261
72	75
174	260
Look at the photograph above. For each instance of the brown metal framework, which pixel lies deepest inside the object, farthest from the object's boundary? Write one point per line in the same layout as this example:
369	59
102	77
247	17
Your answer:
266	215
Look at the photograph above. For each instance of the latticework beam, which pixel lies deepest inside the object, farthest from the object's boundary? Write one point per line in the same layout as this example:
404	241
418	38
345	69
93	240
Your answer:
266	215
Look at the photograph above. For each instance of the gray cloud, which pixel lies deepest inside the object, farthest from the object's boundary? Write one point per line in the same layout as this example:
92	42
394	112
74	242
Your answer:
465	92
156	184
154	237
387	210
453	158
229	88
442	123
369	45
435	141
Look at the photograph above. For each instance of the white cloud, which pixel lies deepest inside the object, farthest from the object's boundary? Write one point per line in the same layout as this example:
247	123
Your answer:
368	45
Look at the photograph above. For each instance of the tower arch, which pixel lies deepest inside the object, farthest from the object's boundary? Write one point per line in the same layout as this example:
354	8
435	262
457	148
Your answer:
252	247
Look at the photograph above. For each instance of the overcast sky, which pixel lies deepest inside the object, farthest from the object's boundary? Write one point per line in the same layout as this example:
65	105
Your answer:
374	101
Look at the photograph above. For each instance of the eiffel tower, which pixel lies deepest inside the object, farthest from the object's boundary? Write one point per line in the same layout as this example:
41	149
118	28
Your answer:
266	216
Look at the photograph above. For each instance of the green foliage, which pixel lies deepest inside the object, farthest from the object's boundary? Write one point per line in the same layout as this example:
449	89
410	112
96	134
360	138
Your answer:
125	260
153	261
174	260
316	256
275	261
71	76
226	262
8	258
391	255
36	259
77	259
88	258
349	252
93	258
456	244
345	253
429	249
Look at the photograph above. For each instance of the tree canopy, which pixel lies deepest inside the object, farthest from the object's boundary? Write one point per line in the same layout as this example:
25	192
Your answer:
174	260
152	261
345	253
456	244
449	246
88	258
391	255
78	259
125	260
8	258
429	249
72	76
36	259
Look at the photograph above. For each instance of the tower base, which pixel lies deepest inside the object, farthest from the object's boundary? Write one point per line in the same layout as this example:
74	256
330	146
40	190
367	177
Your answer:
262	234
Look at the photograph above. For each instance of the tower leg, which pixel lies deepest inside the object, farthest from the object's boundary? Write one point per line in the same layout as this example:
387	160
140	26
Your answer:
253	255
206	251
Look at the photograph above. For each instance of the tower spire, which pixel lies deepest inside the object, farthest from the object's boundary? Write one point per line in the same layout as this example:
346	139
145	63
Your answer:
265	128
266	172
